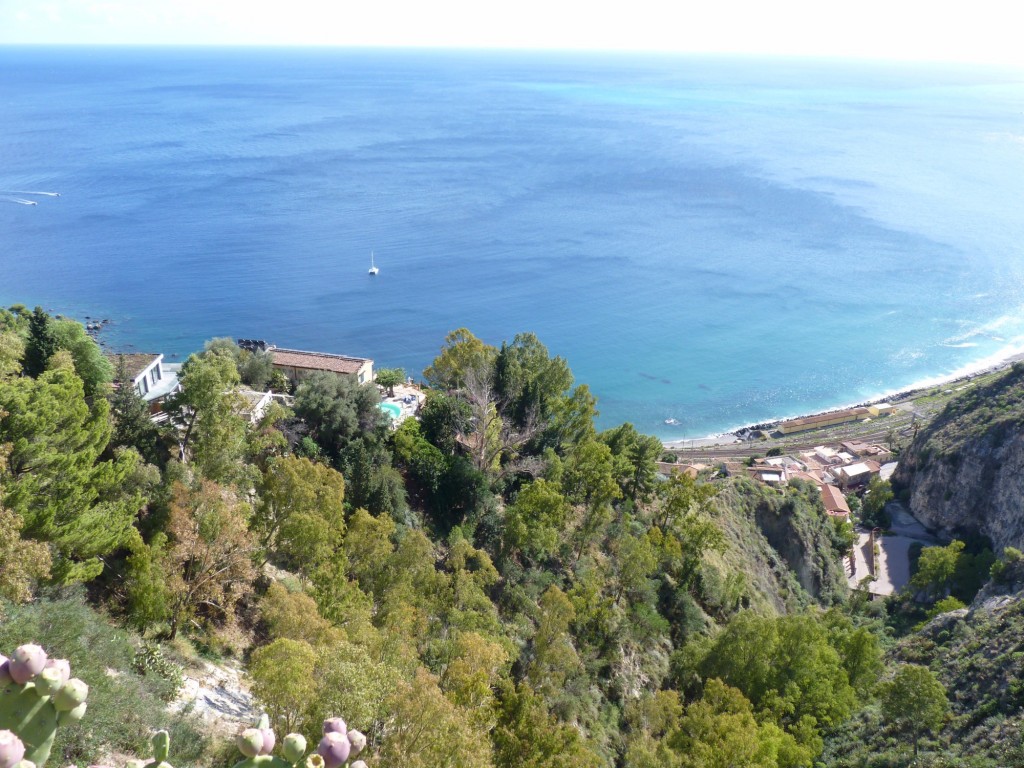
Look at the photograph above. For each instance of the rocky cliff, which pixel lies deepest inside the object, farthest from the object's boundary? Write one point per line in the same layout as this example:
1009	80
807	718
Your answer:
964	472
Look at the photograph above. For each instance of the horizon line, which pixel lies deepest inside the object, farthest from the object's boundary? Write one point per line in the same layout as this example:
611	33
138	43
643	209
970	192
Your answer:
525	49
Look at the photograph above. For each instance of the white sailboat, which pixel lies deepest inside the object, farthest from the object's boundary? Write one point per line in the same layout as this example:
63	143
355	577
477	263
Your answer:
373	267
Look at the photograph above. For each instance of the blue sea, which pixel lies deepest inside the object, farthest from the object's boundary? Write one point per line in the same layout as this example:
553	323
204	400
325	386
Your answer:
714	241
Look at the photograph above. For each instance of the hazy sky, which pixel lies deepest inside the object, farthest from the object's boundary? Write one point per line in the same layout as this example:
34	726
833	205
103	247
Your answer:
979	31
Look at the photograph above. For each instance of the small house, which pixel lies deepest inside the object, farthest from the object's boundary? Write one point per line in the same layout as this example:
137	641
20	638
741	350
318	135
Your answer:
834	501
152	378
299	364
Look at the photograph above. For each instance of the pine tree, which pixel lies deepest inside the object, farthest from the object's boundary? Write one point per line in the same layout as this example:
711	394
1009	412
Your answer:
41	343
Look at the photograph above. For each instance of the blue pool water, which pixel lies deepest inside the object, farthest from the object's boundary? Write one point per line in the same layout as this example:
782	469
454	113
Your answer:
715	241
391	409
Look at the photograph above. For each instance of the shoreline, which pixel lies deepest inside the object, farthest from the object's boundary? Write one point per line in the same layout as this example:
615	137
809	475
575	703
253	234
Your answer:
97	326
895	396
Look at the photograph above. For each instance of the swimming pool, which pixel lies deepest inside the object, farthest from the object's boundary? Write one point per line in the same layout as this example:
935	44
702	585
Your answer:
394	410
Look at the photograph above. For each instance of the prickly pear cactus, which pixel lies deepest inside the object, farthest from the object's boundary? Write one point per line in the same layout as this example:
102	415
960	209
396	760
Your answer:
36	695
334	750
161	742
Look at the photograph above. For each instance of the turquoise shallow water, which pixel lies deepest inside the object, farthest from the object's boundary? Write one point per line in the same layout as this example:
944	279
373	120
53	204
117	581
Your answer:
715	241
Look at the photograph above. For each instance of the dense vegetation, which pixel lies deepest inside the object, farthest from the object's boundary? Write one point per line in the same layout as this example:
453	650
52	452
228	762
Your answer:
494	584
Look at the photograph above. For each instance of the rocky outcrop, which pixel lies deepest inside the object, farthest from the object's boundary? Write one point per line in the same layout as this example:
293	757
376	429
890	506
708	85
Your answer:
964	473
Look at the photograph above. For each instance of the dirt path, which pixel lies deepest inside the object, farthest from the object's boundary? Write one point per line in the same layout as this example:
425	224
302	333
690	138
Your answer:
220	695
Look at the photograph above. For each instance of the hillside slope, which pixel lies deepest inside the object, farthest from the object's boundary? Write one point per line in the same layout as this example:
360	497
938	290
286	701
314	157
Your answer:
978	655
782	541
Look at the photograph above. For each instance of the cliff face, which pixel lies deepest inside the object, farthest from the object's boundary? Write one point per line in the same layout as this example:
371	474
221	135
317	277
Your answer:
965	471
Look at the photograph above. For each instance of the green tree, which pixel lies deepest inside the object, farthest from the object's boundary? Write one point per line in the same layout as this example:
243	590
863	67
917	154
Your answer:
300	513
859	648
338	409
92	366
588	479
426	464
296	616
443	418
41	344
462	352
535	521
720	731
373	483
279	381
351	680
572	418
786	666
528	381
635	457
12	350
472	669
390	378
554	658
686	532
936	568
22	563
588	475
207	413
915	700
284	679
527	735
426	729
146	583
879	494
54	479
256	369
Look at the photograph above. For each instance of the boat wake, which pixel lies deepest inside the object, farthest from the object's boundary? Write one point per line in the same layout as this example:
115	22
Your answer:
20	201
43	194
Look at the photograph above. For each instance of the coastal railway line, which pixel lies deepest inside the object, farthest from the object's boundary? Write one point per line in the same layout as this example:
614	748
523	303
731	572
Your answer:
916	410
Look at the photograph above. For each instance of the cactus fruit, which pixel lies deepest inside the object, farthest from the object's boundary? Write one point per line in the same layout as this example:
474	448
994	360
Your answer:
294	747
26	662
71	695
333	751
12	751
36	695
257	743
62	666
269	741
358	764
358	742
335	725
250	742
334	748
161	742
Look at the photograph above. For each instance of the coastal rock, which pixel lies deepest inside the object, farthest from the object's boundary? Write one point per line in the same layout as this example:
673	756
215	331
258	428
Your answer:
964	473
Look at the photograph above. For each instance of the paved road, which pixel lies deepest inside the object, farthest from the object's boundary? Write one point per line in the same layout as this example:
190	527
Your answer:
893	563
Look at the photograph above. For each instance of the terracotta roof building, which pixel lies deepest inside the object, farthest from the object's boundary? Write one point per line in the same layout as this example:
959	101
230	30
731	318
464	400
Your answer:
834	501
297	364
